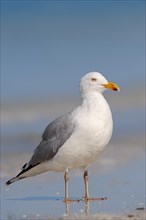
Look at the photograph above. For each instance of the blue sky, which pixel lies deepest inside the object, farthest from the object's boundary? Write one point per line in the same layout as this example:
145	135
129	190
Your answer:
48	45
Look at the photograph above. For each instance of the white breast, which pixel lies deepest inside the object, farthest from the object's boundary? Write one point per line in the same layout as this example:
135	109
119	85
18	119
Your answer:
93	130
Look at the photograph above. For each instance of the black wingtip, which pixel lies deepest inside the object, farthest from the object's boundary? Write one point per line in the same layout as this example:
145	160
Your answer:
8	182
19	177
12	180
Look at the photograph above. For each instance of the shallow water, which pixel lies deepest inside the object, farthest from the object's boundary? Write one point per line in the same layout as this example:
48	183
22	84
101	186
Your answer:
42	196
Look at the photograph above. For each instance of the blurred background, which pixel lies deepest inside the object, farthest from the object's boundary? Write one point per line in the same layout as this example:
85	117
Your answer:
46	47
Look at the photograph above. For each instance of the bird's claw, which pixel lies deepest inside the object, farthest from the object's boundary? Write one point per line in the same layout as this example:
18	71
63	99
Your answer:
71	200
87	199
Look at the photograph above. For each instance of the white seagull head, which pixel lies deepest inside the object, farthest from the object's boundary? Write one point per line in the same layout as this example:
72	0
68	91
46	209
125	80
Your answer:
96	82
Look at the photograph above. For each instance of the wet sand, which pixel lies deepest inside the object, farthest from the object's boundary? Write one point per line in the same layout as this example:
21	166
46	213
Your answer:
118	176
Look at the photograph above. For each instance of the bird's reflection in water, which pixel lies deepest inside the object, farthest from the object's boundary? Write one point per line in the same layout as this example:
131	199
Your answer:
87	204
86	211
87	208
67	208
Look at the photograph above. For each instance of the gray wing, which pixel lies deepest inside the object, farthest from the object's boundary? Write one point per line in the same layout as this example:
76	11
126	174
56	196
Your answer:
54	136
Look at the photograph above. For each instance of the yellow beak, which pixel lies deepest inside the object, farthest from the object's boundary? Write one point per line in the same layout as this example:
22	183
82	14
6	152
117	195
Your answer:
111	86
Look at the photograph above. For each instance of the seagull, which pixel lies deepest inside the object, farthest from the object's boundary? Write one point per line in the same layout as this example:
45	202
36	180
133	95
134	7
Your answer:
75	140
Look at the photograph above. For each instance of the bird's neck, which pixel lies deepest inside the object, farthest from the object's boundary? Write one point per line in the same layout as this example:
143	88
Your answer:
94	102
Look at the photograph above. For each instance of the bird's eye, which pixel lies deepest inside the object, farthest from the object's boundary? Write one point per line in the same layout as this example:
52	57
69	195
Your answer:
93	79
